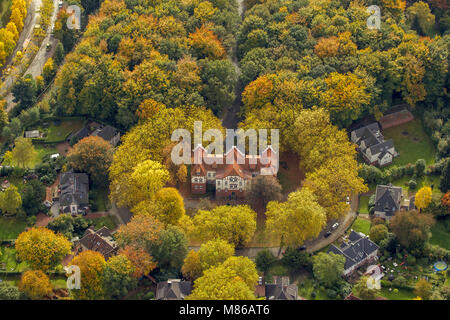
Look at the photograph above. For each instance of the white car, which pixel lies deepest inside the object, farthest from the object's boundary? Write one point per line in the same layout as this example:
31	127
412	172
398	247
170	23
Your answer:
334	226
347	200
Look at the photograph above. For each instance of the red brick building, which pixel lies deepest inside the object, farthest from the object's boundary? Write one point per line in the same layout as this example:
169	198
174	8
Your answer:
229	174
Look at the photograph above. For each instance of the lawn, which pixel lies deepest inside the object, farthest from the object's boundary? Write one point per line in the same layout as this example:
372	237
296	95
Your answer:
402	294
411	142
8	260
441	234
306	288
11	227
99	198
361	225
363	204
60	131
107	221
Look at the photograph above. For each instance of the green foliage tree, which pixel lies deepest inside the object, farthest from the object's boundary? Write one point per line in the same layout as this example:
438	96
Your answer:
328	268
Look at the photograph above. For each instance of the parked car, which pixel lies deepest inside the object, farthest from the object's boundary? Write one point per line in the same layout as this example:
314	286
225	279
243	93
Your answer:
334	226
48	46
301	248
327	234
347	200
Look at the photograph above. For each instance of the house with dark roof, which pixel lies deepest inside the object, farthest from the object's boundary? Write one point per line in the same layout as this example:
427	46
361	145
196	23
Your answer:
74	193
108	133
100	241
388	200
358	250
173	289
372	146
281	289
78	135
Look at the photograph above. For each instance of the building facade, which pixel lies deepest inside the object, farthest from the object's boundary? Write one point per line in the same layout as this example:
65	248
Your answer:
229	175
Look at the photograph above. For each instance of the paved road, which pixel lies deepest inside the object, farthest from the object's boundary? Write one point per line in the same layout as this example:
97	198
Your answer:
37	65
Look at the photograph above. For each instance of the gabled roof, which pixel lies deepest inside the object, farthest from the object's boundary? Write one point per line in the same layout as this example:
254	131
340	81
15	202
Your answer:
381	147
99	241
174	289
280	292
387	199
356	250
364	132
74	189
80	134
106	133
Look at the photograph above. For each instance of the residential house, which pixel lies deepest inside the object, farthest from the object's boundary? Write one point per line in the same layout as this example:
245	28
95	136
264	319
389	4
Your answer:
78	135
74	193
281	289
32	134
100	241
388	200
173	289
358	251
229	174
372	146
108	133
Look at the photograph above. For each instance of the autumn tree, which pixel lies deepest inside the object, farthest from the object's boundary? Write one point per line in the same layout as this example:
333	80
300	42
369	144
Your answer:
10	201
142	261
411	228
296	220
41	248
378	232
205	44
214	252
92	155
118	277
221	283
423	289
167	206
235	224
423	198
141	232
328	267
420	18
264	188
92	266
35	284
23	152
191	266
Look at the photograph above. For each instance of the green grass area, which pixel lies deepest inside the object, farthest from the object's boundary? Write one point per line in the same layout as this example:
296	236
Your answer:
11	227
8	260
59	133
107	221
441	234
306	289
99	198
412	142
363	204
361	225
402	294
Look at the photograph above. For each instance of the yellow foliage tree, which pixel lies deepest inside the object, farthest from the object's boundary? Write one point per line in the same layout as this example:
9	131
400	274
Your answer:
423	198
35	284
41	248
91	264
296	220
